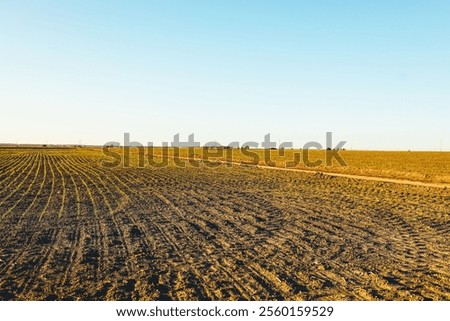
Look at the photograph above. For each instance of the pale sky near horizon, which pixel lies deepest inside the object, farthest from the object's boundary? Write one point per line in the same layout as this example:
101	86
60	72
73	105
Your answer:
375	73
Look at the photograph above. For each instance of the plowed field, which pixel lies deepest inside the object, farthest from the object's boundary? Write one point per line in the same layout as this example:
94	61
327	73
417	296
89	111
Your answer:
72	229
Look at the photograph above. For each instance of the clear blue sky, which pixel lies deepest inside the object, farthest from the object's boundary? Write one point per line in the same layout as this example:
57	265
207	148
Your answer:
376	73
